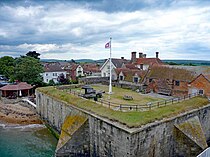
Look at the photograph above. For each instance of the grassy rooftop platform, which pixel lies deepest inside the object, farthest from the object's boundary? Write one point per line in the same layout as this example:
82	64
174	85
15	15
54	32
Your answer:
132	118
118	93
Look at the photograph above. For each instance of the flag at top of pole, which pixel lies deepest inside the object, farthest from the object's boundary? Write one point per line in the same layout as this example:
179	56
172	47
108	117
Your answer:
108	45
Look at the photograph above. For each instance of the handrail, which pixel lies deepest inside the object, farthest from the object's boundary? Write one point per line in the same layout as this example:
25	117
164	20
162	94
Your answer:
142	107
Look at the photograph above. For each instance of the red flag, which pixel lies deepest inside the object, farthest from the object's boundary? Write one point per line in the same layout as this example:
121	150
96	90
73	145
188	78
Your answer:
108	45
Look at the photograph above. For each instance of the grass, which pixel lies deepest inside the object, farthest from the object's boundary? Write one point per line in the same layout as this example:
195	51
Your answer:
117	97
131	119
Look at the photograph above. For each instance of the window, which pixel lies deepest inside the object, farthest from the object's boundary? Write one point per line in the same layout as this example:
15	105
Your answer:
121	78
141	66
135	79
201	91
47	80
150	80
177	83
46	74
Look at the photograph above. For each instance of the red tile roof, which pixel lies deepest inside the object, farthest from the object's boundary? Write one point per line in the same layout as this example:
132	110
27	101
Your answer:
207	76
74	67
129	73
131	66
91	67
162	72
15	87
149	61
52	67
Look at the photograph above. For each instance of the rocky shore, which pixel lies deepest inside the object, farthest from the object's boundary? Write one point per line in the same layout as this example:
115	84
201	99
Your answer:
17	114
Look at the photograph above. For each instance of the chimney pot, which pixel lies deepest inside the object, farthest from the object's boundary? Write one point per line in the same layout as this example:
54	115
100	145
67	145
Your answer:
122	57
157	53
140	54
144	55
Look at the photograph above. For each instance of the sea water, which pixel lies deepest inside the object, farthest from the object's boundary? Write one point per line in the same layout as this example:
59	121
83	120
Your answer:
26	141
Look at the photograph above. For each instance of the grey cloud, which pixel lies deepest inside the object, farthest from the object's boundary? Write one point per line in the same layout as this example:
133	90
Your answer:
81	26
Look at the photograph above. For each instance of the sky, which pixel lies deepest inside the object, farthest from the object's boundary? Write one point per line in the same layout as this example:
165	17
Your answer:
79	29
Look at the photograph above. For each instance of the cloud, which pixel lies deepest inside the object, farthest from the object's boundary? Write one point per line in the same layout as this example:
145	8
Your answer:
72	29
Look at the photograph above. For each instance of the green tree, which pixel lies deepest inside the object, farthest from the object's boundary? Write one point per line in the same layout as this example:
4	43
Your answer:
7	64
51	83
28	69
33	54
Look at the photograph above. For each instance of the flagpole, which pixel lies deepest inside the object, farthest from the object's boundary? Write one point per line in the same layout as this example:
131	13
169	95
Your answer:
110	69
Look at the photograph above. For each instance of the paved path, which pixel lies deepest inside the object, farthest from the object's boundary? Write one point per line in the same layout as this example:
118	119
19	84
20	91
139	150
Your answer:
155	95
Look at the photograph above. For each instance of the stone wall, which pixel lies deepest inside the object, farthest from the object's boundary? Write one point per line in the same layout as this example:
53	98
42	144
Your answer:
159	139
108	138
93	80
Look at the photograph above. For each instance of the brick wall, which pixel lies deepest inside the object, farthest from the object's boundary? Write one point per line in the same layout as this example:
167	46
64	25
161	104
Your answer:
200	83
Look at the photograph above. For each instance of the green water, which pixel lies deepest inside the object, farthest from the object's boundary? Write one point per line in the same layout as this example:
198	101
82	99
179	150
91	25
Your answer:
26	141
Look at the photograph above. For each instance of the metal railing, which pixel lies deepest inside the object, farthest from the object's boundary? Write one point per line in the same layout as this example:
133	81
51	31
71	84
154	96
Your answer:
136	107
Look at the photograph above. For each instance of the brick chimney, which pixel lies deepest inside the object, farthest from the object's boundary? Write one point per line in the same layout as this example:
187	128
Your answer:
144	55
133	57
122	57
157	53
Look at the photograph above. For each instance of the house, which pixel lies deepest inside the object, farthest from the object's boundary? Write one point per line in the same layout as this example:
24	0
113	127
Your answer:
130	75
14	90
75	71
168	81
115	63
144	63
52	71
201	85
91	69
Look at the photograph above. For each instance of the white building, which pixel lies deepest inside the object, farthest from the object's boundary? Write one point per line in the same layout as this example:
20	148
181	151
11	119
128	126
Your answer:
52	71
115	63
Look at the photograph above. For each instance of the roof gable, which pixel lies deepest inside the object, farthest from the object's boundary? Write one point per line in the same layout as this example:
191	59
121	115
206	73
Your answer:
207	77
118	63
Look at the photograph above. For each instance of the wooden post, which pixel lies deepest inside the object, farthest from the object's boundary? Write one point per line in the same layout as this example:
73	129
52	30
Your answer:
165	102
172	101
158	104
184	97
136	107
120	107
109	104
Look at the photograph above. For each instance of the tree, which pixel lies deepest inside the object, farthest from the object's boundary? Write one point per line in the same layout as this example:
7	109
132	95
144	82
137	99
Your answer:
51	83
7	64
28	70
33	54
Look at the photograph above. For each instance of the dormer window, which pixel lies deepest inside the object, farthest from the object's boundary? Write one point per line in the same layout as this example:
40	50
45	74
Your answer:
121	78
141	66
177	83
150	80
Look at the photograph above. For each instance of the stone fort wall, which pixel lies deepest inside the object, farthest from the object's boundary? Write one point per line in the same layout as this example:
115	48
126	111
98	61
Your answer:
108	138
